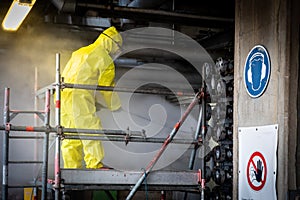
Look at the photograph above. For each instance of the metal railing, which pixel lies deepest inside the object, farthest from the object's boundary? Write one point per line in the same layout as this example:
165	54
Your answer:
7	127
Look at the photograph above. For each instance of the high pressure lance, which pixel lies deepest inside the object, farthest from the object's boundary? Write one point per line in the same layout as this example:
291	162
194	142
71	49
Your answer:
164	145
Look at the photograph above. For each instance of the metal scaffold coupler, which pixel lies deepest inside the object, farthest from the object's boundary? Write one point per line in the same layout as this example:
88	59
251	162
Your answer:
7	126
48	128
144	134
59	131
62	83
127	136
199	175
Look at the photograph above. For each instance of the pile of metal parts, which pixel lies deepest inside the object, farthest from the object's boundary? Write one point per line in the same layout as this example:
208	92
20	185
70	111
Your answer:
219	166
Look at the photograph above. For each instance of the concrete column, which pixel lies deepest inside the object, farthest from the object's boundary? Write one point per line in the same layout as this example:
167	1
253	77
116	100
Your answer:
268	23
294	100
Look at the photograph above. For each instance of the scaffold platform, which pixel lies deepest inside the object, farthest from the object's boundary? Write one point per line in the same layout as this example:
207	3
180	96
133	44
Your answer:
112	179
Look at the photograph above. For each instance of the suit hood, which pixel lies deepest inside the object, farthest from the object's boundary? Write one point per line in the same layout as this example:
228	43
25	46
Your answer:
110	39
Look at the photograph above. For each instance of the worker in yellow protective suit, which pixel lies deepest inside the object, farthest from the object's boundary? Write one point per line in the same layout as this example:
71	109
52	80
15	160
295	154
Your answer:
91	65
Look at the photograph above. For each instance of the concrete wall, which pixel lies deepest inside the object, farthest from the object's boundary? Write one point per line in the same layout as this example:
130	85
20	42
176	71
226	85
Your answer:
268	23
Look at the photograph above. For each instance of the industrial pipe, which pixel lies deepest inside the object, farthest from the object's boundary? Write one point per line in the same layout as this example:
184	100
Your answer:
65	5
139	4
69	6
158	15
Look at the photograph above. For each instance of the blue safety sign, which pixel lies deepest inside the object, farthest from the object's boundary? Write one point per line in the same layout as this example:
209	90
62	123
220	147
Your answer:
257	71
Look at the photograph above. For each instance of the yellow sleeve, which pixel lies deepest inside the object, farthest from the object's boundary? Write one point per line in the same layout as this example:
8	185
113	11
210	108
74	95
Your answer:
106	78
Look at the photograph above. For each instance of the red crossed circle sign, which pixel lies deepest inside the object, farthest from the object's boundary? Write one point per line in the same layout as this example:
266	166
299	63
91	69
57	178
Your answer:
256	171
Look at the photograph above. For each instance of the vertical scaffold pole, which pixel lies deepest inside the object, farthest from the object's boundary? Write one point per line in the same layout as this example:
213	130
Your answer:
203	133
36	142
196	138
58	125
196	146
46	146
5	154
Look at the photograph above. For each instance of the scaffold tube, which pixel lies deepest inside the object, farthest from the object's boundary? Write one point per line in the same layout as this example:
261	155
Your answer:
92	134
131	139
196	137
124	89
196	146
57	173
203	133
71	130
45	147
5	146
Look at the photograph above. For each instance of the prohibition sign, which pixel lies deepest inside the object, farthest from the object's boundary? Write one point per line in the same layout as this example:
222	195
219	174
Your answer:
256	172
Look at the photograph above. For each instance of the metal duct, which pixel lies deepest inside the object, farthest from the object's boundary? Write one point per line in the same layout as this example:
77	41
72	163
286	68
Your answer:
141	3
65	5
69	6
78	21
146	4
130	12
138	4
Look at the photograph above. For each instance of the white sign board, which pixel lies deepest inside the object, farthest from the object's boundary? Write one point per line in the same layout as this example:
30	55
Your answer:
257	162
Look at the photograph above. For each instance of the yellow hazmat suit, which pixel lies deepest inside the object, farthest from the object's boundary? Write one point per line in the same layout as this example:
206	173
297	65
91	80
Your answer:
88	65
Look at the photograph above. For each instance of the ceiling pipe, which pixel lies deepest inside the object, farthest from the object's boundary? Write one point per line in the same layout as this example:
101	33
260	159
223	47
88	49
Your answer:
159	16
92	22
219	40
139	4
67	6
145	4
146	14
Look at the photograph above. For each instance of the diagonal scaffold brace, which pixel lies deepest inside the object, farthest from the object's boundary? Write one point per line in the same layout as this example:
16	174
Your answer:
168	140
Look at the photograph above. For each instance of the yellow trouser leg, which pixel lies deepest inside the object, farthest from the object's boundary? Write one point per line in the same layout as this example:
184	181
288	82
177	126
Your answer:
72	153
84	117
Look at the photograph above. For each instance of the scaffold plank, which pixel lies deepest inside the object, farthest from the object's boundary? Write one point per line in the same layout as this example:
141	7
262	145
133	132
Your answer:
118	178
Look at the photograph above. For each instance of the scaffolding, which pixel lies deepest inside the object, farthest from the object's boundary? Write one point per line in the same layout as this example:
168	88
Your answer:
67	179
7	127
